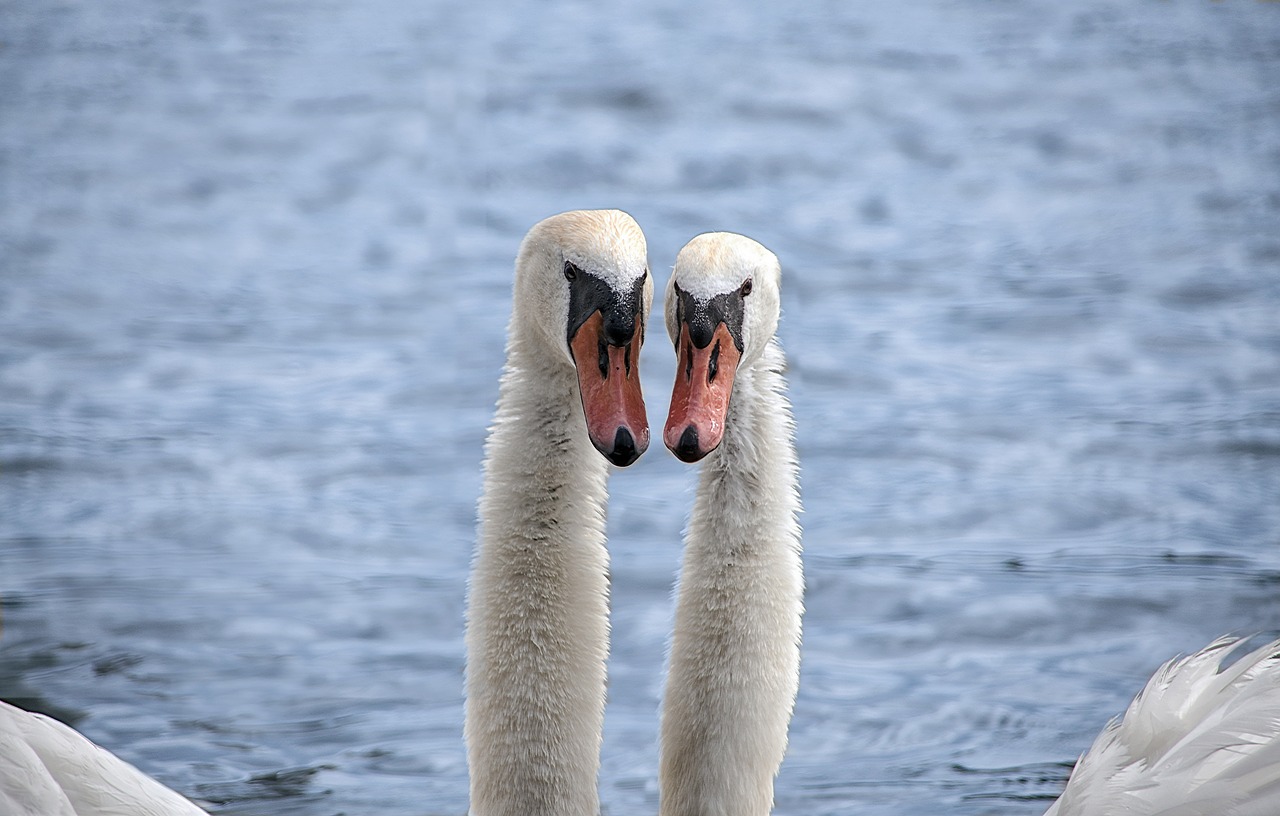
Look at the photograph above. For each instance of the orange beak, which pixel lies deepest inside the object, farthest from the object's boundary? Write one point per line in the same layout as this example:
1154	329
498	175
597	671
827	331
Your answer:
609	383
700	398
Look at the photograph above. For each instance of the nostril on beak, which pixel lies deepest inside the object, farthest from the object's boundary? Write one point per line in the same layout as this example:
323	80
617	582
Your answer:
624	449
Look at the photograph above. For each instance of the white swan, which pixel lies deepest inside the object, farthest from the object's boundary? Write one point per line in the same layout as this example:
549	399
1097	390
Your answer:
735	654
538	618
49	769
1200	740
537	633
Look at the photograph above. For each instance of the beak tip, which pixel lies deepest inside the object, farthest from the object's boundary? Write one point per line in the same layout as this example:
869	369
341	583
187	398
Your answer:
686	448
625	449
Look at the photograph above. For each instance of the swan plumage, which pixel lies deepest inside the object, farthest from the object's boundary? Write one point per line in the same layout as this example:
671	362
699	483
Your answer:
49	769
1201	739
537	629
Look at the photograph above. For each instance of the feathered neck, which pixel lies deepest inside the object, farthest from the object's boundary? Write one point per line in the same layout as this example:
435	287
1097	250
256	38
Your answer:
538	452
735	653
748	490
538	610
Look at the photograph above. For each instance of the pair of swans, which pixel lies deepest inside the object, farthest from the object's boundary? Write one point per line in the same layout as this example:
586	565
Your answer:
537	636
1199	739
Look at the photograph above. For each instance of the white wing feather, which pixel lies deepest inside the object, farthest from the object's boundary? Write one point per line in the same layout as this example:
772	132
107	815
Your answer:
48	769
1199	740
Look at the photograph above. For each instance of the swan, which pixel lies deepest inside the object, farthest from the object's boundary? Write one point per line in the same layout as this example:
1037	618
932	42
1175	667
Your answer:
537	620
50	769
537	631
735	652
1202	739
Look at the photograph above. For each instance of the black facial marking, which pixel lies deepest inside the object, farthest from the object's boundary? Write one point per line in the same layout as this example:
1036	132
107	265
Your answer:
702	317
713	365
589	294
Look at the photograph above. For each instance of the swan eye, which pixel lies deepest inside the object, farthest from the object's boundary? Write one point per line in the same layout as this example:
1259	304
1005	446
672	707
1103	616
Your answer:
570	271
746	288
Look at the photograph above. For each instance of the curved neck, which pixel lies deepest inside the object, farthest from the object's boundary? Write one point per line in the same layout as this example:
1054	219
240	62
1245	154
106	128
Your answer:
538	607
735	655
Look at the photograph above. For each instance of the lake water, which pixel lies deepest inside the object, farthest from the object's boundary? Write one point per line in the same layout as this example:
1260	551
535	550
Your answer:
255	264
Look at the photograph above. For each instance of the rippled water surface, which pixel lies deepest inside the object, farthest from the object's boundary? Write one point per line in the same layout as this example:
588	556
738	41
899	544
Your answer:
255	261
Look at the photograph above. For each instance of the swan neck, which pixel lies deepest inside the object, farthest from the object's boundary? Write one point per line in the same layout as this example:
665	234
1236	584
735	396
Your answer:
537	612
738	610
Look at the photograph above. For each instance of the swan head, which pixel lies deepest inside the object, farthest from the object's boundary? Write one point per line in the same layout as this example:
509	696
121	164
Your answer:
583	288
722	306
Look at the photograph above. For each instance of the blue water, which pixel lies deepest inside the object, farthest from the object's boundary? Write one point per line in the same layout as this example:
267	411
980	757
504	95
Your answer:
255	261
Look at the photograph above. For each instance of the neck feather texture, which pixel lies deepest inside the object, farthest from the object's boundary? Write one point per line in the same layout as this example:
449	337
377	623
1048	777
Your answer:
537	633
735	656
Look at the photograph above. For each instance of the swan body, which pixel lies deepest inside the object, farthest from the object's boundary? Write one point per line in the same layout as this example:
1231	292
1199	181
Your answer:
537	630
1200	740
49	769
735	653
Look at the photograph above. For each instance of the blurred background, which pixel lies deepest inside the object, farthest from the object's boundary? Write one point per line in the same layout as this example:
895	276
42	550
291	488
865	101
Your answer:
255	265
